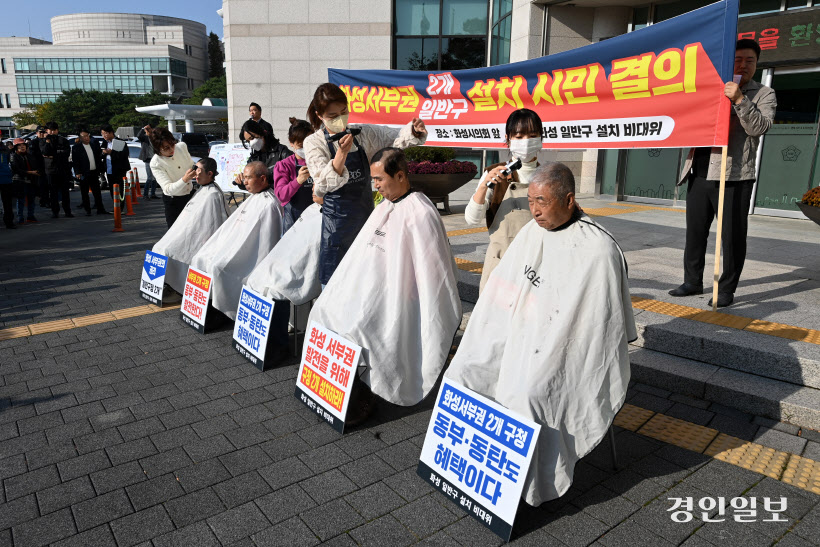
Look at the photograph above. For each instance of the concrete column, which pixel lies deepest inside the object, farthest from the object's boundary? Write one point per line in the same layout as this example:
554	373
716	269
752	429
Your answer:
172	126
170	85
189	126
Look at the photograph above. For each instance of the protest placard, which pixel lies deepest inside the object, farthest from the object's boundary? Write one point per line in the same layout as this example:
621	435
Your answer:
195	299
477	453
326	374
252	326
153	277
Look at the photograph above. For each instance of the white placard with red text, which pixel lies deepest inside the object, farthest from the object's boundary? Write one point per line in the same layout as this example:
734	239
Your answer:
195	299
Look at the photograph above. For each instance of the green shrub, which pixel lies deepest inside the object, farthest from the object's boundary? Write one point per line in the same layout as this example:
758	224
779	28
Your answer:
432	154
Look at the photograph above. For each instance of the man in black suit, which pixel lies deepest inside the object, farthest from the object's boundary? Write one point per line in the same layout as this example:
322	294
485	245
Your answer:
115	161
87	163
55	157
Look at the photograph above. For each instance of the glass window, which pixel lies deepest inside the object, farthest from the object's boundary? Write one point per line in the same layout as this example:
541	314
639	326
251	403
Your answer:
500	9
500	53
464	17
753	7
459	53
3	65
417	53
417	17
795	4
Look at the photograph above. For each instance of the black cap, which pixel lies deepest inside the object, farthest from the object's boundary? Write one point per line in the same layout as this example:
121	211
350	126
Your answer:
40	128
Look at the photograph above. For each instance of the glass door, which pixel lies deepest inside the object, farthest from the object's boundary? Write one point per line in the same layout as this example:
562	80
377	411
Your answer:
789	151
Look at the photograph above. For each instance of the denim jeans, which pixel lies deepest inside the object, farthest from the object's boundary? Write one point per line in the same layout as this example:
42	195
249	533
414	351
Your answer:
30	193
150	187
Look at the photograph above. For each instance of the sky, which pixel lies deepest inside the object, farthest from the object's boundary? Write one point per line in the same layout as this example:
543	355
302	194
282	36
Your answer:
37	14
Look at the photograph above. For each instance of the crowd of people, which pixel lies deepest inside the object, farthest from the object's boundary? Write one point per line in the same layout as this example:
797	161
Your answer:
45	168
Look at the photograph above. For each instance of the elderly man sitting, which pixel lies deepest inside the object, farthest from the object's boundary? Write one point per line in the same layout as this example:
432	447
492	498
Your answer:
394	293
249	234
548	337
201	217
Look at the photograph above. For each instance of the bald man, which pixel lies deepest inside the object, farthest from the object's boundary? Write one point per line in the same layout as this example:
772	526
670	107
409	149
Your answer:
549	335
235	249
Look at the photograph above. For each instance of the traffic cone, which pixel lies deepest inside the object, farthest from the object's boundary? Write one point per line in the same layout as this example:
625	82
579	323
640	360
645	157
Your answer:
117	215
128	209
134	187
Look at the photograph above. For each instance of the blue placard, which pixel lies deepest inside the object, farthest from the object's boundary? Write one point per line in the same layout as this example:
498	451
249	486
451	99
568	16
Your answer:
154	264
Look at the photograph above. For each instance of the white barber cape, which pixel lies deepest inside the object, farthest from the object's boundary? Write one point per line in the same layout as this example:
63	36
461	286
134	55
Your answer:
291	269
395	295
197	222
548	339
231	254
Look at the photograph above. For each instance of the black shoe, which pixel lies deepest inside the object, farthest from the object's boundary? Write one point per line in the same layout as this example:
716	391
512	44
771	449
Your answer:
724	299
69	215
88	213
686	290
103	212
55	215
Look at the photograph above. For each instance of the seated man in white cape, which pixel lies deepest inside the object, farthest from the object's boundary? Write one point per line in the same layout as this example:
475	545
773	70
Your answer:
291	270
231	254
394	293
548	336
197	222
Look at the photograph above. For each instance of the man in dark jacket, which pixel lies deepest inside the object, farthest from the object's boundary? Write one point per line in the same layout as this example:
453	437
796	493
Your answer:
146	153
115	158
55	156
87	164
37	147
7	188
255	112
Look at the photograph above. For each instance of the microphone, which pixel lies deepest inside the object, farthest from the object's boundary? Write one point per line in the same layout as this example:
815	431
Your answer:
512	165
349	131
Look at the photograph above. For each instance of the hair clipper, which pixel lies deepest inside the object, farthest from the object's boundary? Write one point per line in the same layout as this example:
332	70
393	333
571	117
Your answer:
512	165
349	131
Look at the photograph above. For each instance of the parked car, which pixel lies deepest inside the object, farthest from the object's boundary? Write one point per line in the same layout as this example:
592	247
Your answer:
213	143
197	143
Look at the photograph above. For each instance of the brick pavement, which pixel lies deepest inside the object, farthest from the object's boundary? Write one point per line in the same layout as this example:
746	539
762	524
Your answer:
143	432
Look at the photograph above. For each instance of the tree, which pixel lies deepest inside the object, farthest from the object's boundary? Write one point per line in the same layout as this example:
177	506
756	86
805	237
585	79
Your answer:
39	114
214	87
215	57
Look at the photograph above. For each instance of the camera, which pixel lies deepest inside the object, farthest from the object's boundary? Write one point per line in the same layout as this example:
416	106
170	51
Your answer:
513	165
349	131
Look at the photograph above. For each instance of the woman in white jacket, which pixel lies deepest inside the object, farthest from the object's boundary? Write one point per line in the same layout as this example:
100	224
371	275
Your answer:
339	162
174	171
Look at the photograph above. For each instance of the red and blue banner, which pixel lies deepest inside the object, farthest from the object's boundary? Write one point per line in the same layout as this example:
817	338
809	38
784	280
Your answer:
658	87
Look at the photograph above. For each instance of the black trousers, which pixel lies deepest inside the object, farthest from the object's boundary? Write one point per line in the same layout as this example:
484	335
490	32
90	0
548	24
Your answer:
43	188
58	191
92	182
174	206
701	209
7	196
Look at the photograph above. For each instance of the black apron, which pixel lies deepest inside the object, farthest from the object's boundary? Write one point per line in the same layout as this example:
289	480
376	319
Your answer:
344	211
301	200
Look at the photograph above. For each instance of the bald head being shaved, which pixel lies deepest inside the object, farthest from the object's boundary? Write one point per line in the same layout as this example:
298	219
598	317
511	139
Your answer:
557	176
256	177
551	195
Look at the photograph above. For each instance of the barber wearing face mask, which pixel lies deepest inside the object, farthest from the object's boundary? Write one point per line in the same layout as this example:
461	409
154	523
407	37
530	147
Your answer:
264	147
291	179
341	169
504	207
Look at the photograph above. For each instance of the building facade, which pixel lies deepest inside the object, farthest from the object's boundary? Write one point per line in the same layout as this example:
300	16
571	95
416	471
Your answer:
278	51
133	53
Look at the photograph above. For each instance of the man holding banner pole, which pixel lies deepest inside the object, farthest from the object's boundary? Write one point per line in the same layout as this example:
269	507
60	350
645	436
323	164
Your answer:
752	114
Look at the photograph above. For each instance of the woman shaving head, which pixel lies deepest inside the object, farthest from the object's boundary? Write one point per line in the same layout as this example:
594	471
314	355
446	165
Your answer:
328	108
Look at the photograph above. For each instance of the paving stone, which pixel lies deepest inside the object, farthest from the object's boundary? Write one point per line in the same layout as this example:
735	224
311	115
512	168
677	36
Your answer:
96	441
331	519
315	435
17	511
467	532
401	456
47	455
780	440
289	533
731	534
650	402
100	536
38	423
424	516
375	500
812	451
141	428
241	461
205	449
194	507
198	534
13	465
285	447
101	509
690	413
151	408
141	526
605	505
238	523
408	485
44	530
324	458
655	516
285	503
328	485
68	432
385	530
634	487
241	489
631	534
367	470
164	462
117	477
154	491
202	475
732	426
285	472
214	426
28	483
83	465
166	440
130	451
64	495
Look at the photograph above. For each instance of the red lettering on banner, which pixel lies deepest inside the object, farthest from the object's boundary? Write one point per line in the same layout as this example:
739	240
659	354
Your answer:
768	38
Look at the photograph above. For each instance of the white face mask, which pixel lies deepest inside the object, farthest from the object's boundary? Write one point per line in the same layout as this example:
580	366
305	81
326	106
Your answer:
337	124
300	152
256	144
525	149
